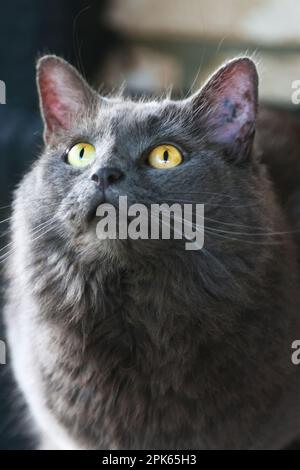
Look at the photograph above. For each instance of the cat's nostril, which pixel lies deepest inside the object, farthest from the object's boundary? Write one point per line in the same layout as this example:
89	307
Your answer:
95	178
114	175
106	176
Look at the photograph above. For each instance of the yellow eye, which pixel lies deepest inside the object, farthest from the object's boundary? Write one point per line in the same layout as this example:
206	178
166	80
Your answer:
165	157
81	155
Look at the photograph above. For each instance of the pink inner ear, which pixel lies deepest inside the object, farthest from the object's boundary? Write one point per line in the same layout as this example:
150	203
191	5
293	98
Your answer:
57	107
63	93
231	96
234	115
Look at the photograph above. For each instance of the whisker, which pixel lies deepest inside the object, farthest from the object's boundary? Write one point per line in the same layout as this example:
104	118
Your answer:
41	226
254	234
213	231
222	222
35	230
5	220
6	246
38	229
205	192
190	90
5	257
207	252
2	235
212	204
44	233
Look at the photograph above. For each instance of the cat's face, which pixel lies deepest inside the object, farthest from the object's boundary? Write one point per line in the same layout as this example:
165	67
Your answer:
210	135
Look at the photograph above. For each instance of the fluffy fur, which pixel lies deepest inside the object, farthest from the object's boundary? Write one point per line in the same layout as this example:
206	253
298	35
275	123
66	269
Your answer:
141	344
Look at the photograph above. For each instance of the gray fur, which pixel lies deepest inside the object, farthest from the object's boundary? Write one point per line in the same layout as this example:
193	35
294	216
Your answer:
143	345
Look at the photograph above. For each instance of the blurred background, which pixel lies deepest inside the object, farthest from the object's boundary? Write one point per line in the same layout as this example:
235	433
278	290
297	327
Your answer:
147	46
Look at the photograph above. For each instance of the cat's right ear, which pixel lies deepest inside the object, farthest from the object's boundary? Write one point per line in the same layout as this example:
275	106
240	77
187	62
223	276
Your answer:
63	93
226	107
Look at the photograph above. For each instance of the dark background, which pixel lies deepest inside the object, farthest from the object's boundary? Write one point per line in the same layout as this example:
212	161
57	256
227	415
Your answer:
176	42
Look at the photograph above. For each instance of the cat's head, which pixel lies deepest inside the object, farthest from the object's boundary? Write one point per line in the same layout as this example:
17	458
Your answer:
196	150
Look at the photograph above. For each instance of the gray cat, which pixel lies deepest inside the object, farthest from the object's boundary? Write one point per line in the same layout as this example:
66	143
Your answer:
142	344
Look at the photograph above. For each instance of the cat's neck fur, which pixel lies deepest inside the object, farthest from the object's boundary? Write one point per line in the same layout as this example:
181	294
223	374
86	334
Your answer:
132	333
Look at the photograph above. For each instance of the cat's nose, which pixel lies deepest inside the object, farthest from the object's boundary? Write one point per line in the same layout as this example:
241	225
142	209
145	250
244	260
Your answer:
106	176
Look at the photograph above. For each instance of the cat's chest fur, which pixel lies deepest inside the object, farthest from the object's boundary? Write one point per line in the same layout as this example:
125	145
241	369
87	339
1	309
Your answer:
128	359
117	349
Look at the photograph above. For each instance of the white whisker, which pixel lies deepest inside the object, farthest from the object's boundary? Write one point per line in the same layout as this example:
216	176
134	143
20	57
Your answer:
5	220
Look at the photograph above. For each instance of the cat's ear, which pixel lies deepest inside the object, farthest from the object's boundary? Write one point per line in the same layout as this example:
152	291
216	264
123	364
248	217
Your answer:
63	93
227	106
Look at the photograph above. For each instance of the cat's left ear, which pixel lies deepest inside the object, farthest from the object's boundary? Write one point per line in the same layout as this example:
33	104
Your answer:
227	106
64	95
